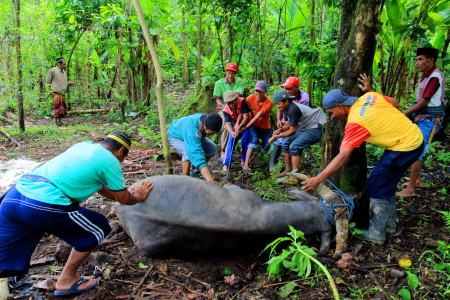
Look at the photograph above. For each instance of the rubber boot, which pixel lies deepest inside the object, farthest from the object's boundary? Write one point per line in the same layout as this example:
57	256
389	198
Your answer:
392	215
277	149
195	172
379	214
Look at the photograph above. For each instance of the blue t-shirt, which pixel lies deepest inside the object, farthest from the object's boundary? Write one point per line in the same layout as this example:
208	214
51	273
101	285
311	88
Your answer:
77	173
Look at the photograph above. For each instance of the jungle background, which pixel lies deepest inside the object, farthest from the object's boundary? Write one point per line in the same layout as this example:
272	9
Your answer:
117	82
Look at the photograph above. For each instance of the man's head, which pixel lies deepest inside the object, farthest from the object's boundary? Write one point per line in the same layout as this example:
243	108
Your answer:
291	86
61	63
426	59
230	71
230	99
213	124
338	103
118	143
282	100
260	90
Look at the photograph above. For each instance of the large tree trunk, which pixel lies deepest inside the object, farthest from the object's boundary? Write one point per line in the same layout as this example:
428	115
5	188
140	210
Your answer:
185	69
159	87
199	48
356	49
19	67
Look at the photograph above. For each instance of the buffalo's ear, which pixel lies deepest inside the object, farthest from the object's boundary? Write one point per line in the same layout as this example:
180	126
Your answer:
300	194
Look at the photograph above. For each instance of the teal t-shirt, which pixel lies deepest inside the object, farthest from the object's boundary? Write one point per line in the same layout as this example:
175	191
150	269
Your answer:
77	173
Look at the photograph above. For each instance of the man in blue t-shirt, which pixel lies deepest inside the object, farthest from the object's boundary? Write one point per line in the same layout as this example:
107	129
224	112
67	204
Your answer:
47	200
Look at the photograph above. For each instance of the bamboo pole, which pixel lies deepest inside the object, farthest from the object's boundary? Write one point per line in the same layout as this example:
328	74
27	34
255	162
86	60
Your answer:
159	87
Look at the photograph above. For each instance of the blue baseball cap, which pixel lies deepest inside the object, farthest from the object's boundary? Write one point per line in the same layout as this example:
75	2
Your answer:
261	86
281	95
337	96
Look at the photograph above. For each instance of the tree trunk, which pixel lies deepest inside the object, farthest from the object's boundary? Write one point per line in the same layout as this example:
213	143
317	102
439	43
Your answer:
312	37
19	67
159	87
356	49
116	77
199	48
185	69
5	63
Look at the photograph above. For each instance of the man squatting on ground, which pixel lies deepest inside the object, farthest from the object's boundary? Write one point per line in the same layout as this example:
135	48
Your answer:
301	97
428	109
188	136
259	127
303	129
229	82
47	200
374	118
57	82
236	114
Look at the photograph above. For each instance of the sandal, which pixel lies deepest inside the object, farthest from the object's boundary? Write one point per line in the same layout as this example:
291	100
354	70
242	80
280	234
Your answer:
74	288
248	171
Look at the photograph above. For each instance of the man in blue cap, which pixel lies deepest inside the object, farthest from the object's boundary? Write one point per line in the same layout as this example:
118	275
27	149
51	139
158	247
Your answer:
304	128
374	118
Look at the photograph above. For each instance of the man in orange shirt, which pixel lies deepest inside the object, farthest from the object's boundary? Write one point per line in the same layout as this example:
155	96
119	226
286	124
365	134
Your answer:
260	107
374	118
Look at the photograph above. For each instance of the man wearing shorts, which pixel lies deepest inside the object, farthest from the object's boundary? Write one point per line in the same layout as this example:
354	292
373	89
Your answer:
427	111
47	200
188	136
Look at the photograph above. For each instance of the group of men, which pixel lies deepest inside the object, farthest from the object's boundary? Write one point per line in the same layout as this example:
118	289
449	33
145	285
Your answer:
47	199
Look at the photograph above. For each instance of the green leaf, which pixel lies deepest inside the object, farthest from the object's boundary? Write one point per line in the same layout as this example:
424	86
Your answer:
287	289
405	294
175	49
413	281
430	25
142	266
95	58
227	271
439	267
393	13
55	268
439	42
72	19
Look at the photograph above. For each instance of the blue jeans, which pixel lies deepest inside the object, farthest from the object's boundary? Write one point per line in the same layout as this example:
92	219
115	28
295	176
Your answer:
426	126
232	143
383	180
208	147
256	134
302	139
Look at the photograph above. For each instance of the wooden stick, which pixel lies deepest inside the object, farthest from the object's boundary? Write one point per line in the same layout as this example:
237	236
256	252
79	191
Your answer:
386	294
240	291
145	168
193	278
88	111
183	285
285	282
10	138
140	283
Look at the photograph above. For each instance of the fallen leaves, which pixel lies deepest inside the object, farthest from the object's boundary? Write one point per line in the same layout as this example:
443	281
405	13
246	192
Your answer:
231	280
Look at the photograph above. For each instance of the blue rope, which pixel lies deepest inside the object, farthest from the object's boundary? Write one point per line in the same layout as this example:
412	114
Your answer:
350	204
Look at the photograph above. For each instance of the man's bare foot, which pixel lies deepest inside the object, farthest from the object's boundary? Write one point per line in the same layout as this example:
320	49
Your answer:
418	184
290	180
65	284
284	173
405	193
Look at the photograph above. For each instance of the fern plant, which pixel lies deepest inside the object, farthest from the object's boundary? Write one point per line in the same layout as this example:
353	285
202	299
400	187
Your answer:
446	218
296	258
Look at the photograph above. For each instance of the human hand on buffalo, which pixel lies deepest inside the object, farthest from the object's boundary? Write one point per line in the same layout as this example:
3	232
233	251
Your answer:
141	191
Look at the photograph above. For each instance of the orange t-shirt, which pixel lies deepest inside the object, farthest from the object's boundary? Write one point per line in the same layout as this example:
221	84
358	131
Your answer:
264	120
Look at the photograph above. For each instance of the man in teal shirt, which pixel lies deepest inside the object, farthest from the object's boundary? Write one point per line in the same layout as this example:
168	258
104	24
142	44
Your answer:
47	200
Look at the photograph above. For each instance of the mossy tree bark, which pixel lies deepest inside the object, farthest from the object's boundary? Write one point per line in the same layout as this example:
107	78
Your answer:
185	68
159	87
356	48
199	48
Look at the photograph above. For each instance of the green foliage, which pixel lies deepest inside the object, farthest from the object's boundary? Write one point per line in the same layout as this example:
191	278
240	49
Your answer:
446	217
296	257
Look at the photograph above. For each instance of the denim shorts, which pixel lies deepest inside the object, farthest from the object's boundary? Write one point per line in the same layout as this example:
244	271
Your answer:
208	147
257	134
302	139
383	180
426	126
23	221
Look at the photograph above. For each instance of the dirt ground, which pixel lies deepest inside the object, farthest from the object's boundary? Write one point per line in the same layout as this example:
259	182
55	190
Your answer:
366	273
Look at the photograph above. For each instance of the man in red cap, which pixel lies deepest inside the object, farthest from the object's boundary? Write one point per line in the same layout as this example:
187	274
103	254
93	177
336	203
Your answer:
229	82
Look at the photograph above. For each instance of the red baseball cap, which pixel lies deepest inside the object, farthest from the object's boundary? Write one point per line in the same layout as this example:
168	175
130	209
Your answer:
290	82
231	67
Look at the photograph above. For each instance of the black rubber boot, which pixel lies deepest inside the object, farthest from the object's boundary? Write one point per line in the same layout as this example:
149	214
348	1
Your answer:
379	214
277	149
390	226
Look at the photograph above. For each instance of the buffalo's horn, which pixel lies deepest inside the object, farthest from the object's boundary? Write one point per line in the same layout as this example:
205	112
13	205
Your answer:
341	214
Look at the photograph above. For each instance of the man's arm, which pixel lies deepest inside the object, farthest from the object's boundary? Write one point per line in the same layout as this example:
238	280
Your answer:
135	194
420	105
207	175
335	165
279	119
365	83
49	78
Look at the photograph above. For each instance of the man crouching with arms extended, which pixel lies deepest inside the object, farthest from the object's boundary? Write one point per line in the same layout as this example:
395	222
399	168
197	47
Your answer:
47	200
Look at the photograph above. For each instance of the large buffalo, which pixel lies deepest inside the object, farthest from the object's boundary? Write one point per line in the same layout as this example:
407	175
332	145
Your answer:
186	215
